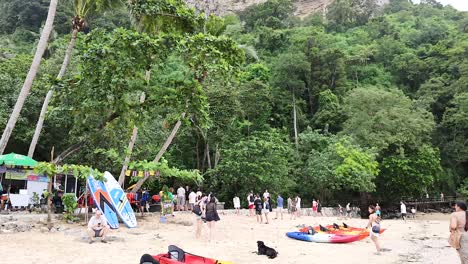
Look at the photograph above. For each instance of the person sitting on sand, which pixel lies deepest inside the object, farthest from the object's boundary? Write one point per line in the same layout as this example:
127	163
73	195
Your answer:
374	224
258	208
97	227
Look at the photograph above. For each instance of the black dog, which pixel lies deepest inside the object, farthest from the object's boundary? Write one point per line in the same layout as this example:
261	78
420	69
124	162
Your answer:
264	250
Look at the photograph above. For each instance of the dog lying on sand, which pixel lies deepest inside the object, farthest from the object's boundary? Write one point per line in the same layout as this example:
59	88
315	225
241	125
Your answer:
264	250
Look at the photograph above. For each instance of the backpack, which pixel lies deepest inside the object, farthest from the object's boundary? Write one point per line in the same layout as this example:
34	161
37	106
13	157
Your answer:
251	199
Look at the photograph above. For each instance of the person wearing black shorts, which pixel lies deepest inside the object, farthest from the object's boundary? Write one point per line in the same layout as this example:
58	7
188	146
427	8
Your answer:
258	204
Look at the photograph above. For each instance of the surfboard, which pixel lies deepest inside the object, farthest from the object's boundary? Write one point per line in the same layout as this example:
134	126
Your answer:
103	201
120	201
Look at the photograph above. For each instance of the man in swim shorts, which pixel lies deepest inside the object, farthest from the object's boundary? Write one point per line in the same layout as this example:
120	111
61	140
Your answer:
181	198
97	227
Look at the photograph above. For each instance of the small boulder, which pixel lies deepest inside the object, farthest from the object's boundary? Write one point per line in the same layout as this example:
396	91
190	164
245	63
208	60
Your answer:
10	225
23	227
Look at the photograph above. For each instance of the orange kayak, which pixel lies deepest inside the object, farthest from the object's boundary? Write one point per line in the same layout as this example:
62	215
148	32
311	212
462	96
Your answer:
362	232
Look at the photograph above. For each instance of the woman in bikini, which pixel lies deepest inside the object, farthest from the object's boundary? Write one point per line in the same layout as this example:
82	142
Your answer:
374	224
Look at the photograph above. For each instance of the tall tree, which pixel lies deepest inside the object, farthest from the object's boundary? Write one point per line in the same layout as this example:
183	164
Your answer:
82	8
41	47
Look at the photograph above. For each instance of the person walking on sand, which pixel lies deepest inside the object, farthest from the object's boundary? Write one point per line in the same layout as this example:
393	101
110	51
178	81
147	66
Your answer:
97	227
279	206
403	210
289	205
236	202
266	194
442	196
459	222
348	210
266	209
258	208
211	215
374	224
250	201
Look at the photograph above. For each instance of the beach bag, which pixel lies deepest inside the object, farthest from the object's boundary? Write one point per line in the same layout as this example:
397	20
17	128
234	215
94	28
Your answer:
197	210
454	239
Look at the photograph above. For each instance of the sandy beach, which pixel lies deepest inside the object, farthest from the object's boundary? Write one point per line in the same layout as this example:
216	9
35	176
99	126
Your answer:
423	240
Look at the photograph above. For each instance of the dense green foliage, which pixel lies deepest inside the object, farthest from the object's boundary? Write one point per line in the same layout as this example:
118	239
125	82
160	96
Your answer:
366	99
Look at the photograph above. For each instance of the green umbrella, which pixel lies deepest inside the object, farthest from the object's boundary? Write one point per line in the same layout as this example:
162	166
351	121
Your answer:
17	160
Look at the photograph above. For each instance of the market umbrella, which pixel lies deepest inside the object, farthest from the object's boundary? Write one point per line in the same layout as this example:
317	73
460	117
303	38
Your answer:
17	160
14	159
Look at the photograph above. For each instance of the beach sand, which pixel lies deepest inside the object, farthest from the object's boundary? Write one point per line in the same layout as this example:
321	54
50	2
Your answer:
423	240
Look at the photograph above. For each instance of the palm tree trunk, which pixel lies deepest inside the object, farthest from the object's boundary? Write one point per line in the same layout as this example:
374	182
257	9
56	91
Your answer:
41	46
130	148
50	93
49	203
296	141
160	153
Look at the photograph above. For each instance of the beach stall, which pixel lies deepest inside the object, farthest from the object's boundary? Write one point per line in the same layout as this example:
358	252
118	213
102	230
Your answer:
16	169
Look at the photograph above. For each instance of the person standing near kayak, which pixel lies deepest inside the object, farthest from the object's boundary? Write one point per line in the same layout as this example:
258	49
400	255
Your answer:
374	224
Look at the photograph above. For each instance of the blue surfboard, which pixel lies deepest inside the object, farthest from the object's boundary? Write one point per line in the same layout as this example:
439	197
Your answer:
120	201
103	201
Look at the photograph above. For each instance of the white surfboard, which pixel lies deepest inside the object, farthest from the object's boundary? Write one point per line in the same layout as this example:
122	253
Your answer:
120	201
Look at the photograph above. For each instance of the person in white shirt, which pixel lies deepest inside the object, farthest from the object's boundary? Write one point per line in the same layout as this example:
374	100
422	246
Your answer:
266	194
403	210
192	199
181	198
236	202
298	206
97	227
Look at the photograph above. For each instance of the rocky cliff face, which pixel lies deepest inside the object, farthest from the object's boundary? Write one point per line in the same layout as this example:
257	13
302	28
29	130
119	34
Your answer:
220	7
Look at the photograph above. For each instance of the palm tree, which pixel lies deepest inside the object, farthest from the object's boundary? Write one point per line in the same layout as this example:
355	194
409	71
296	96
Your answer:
82	9
41	46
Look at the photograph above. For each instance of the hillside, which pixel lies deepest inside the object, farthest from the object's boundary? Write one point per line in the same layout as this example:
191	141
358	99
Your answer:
303	7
